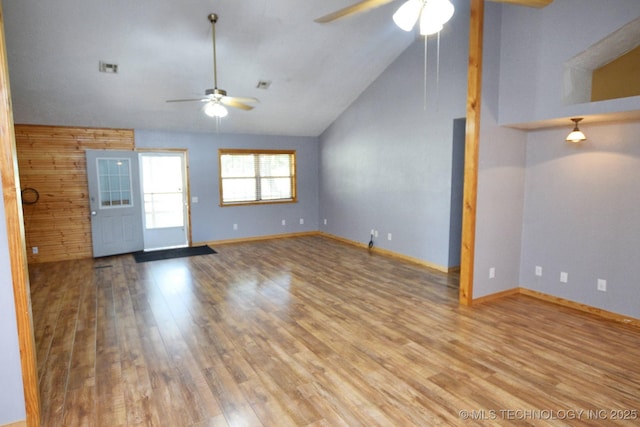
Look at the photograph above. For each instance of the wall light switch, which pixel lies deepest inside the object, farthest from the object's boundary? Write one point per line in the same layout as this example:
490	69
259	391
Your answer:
194	199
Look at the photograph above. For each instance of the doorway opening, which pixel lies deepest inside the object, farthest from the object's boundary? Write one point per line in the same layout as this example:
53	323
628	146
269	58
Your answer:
164	199
457	188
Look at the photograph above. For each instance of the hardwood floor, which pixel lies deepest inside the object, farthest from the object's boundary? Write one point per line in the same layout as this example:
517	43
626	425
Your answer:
313	332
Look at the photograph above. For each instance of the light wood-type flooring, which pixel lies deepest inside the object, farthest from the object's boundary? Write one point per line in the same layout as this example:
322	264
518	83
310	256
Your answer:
313	332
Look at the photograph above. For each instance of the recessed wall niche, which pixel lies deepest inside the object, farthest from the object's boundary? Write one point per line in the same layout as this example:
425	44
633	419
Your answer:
608	69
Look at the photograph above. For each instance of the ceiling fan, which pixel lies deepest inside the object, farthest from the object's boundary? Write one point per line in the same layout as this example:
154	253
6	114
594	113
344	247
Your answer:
366	5
217	98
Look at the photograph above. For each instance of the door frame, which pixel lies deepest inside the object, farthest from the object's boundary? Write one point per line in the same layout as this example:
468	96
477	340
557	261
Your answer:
187	183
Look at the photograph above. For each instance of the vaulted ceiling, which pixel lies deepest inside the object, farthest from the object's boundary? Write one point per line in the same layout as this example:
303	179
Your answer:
163	50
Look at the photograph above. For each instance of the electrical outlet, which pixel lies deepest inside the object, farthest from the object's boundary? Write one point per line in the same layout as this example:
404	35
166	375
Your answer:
325	221
284	222
602	285
388	236
301	221
538	271
34	250
194	199
375	233
564	277
492	272
235	226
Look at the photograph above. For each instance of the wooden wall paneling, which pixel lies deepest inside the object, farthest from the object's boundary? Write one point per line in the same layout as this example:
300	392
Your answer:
16	241
51	159
474	97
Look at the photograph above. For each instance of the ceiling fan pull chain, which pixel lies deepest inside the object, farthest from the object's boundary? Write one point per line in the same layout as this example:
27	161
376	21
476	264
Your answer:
425	74
438	71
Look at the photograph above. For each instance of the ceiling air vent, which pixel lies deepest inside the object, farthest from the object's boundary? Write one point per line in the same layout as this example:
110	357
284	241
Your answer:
263	84
105	67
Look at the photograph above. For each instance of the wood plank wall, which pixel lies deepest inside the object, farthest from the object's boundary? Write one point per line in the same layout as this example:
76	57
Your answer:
51	160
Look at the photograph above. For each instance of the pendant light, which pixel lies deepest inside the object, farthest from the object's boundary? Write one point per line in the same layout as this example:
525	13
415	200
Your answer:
576	134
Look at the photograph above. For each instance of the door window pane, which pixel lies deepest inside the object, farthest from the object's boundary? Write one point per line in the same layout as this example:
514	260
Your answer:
114	182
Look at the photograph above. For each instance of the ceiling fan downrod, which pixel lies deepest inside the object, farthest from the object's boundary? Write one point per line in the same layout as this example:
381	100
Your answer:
213	18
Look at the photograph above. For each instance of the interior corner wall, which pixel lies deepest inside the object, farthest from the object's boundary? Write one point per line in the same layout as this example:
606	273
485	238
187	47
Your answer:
386	161
581	216
501	172
12	404
209	221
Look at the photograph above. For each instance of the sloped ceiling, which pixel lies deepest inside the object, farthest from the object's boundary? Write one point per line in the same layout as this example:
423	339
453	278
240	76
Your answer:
163	50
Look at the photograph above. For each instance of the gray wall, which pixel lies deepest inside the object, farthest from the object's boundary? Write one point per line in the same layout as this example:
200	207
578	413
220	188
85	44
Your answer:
386	161
209	221
582	216
12	405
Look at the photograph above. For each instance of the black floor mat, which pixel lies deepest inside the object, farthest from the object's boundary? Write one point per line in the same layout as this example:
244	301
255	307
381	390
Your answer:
172	253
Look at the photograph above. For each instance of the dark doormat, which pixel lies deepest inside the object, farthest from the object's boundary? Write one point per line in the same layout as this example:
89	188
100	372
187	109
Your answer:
172	253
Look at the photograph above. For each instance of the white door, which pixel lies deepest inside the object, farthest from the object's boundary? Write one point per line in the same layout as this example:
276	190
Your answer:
114	199
165	200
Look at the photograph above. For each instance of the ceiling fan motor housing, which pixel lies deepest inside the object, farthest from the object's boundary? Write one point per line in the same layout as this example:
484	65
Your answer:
217	93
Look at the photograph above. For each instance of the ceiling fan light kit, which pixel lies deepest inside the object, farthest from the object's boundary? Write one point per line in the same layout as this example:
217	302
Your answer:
432	14
215	109
407	15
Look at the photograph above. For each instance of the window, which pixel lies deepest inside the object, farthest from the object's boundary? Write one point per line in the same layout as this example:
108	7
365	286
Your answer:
257	176
114	182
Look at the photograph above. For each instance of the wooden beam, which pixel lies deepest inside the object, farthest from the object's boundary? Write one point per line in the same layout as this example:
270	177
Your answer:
474	96
16	241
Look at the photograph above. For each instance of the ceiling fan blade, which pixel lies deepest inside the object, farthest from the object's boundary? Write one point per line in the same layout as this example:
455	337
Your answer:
189	100
243	99
529	3
361	6
233	102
